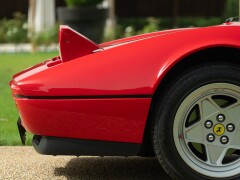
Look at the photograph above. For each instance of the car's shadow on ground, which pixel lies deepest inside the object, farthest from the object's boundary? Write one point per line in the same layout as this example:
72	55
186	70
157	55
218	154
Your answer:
112	168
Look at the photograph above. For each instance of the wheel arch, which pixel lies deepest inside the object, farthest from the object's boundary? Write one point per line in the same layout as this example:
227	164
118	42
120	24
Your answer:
189	60
202	55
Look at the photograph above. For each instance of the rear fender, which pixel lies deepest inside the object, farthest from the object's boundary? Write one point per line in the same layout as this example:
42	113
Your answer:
220	36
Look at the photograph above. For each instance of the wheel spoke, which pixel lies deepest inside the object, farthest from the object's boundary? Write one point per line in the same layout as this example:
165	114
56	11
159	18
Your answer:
194	133
215	154
233	114
235	143
209	108
232	106
200	111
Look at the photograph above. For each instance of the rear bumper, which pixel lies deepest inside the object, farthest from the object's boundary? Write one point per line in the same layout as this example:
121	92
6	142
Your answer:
107	119
66	146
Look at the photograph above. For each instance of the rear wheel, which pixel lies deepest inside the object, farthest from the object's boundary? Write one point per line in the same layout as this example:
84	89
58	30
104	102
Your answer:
196	130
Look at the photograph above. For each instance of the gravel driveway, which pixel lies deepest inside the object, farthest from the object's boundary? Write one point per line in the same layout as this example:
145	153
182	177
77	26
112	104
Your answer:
25	163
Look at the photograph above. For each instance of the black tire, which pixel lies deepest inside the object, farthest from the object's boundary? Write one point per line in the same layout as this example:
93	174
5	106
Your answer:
166	107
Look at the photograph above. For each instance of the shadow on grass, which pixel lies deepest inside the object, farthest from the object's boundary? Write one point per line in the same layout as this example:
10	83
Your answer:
112	168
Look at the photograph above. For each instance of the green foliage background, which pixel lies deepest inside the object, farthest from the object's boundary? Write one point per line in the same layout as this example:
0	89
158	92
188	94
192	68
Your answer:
11	64
74	3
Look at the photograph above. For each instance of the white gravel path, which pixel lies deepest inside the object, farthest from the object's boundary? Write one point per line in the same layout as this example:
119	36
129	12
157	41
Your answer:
25	163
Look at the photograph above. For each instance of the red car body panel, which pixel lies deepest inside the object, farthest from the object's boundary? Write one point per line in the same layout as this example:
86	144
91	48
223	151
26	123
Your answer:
140	37
106	95
93	119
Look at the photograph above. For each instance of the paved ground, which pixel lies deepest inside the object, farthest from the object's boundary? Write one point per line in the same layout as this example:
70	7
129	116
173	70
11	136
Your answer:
25	163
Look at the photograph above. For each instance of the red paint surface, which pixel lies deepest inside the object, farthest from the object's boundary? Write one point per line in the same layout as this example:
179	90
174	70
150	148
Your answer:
139	37
130	69
116	119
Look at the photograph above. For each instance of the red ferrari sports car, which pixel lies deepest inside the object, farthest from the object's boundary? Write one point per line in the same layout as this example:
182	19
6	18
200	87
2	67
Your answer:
172	94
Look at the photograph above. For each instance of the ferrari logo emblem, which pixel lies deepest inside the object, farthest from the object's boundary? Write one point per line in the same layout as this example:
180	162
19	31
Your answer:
219	129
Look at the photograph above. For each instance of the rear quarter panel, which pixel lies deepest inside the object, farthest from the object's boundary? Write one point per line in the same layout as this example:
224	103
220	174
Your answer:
131	69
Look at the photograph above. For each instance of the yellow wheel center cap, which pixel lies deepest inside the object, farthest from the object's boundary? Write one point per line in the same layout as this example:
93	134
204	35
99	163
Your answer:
219	129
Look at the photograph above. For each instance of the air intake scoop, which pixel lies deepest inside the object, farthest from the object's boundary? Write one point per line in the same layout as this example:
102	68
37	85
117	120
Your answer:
73	44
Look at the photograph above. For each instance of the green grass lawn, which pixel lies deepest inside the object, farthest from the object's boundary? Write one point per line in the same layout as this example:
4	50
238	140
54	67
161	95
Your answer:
9	65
